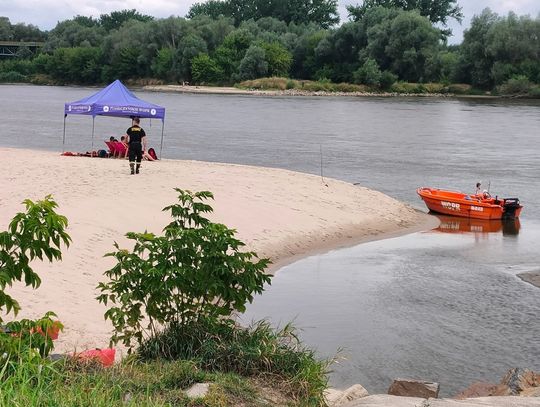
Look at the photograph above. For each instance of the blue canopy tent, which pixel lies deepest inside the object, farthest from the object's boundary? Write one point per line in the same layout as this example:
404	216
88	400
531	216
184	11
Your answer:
115	100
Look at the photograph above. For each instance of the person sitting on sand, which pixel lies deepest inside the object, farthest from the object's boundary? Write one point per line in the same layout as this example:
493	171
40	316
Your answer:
123	140
146	156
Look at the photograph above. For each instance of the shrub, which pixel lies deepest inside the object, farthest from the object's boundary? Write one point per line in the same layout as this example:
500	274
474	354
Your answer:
387	80
459	88
517	85
407	87
12	76
205	69
37	233
535	92
278	57
273	83
195	270
435	87
319	86
254	64
368	74
349	88
257	350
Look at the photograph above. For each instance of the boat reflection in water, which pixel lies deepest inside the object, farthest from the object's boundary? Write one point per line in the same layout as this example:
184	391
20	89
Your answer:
455	224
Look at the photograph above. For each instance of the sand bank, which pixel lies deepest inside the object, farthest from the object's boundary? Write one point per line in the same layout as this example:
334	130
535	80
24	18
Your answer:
532	277
224	90
279	214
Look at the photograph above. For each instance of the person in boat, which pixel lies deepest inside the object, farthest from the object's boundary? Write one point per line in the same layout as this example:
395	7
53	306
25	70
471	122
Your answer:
481	194
478	188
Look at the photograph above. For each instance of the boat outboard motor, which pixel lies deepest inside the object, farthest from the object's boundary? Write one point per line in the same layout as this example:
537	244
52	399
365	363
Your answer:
511	205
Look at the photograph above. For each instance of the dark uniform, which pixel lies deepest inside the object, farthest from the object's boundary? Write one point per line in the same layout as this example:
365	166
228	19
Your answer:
136	134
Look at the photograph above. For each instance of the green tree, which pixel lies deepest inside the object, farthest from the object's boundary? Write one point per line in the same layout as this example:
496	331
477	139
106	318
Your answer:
116	19
195	271
125	64
213	31
368	74
495	49
5	29
321	12
79	31
229	54
253	65
278	58
437	11
448	65
412	43
205	69
130	50
476	63
305	62
402	42
27	32
210	8
190	46
162	65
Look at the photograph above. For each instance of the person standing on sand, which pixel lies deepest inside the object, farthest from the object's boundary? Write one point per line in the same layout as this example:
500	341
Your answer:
136	140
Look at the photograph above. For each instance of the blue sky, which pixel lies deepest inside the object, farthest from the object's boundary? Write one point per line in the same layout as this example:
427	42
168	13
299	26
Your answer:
46	13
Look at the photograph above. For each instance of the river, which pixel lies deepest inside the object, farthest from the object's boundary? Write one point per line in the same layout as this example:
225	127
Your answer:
443	305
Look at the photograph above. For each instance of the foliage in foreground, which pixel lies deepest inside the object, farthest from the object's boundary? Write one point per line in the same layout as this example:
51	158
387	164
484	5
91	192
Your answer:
241	364
37	233
196	270
258	350
68	383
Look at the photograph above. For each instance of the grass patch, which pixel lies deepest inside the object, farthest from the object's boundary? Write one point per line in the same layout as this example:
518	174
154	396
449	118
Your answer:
308	86
156	383
330	87
258	366
258	351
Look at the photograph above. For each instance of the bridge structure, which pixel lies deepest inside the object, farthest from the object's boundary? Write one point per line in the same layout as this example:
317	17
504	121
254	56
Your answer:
10	48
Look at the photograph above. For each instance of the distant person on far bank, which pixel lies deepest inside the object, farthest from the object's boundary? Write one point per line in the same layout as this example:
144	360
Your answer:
136	140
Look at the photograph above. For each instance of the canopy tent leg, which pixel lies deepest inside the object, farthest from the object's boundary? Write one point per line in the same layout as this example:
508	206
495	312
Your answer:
64	136
93	126
161	145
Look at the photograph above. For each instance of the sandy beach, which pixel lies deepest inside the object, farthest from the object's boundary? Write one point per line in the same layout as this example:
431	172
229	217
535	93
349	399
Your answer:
279	214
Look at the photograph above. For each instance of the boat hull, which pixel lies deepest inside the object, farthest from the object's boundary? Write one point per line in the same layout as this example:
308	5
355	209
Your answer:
469	206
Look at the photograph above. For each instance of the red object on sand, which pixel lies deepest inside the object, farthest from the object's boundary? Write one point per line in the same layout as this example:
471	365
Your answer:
104	356
52	332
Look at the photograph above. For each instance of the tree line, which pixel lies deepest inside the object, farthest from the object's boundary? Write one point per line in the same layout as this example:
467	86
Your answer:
225	42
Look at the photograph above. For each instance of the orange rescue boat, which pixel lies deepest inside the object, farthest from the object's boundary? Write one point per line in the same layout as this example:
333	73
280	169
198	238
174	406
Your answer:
469	206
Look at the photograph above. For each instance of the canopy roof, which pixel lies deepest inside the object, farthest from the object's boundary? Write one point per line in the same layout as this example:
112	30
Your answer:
115	100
